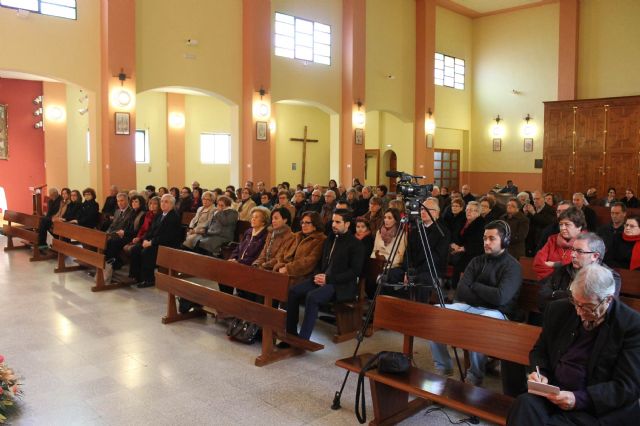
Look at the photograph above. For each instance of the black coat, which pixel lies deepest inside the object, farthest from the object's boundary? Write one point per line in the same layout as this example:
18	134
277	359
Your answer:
110	205
591	218
472	241
53	206
613	372
619	254
167	231
89	214
439	246
537	224
344	265
608	233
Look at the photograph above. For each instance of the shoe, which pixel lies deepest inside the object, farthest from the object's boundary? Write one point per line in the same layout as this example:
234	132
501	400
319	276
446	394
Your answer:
472	380
283	345
145	284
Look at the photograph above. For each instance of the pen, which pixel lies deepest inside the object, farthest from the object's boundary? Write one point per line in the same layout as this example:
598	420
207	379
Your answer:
538	371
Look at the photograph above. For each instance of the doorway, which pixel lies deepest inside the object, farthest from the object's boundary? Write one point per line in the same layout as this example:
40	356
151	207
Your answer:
446	168
371	167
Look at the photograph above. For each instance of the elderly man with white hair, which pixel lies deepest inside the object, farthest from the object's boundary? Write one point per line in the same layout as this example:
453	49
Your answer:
164	231
589	348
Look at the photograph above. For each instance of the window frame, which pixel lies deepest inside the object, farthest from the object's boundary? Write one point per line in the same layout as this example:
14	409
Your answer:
147	149
215	162
312	45
46	2
456	62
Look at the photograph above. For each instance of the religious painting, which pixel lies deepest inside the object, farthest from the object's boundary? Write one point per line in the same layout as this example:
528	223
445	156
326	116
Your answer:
122	123
261	130
359	136
4	135
528	144
497	144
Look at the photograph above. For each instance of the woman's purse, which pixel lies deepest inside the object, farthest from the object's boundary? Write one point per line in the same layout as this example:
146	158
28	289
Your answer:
386	362
243	331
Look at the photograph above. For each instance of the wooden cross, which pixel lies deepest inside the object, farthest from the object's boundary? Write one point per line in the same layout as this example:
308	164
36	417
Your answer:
304	141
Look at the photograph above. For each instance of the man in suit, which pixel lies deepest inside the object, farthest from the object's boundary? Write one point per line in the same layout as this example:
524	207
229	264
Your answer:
121	219
340	267
609	231
540	215
53	205
590	216
165	231
466	194
590	348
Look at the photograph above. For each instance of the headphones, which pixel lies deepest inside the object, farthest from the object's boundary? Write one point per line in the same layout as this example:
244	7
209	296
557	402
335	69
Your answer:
506	232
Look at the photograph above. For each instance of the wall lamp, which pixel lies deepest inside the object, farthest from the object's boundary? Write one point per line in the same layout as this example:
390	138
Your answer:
497	130
55	113
122	97
359	117
261	108
430	124
528	129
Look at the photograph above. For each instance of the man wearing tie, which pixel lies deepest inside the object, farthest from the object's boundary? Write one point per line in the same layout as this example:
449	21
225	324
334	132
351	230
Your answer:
165	231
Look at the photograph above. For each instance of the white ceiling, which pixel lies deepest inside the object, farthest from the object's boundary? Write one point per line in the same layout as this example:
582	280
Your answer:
488	6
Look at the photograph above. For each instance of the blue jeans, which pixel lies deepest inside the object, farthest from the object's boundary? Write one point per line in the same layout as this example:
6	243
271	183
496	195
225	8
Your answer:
315	296
440	353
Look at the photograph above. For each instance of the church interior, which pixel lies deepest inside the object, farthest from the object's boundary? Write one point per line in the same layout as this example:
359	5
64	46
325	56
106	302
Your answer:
130	93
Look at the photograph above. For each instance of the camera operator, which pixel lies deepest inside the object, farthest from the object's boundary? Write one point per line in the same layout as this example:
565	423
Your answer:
415	268
489	287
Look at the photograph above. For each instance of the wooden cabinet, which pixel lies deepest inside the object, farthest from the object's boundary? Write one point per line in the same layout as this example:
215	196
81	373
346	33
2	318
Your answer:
593	142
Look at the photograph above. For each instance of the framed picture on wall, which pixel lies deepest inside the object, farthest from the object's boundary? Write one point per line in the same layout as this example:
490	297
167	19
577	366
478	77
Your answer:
261	130
497	144
528	144
122	123
359	136
4	134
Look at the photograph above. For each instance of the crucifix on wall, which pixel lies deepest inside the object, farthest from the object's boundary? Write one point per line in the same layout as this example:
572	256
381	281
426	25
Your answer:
304	141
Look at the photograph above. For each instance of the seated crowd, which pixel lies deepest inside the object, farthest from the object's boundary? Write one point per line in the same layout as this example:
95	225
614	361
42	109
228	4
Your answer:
323	238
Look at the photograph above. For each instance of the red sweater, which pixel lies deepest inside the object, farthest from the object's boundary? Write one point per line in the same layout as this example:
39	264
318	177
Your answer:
551	252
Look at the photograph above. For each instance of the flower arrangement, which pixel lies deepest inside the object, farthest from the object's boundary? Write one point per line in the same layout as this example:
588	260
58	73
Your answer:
9	390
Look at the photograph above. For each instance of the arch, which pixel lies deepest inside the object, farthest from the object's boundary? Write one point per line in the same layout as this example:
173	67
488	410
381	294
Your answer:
389	162
185	90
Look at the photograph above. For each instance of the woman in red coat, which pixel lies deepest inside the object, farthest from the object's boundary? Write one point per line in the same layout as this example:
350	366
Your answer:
557	251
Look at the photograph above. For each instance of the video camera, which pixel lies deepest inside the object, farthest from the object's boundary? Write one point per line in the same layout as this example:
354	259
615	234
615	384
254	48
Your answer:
413	193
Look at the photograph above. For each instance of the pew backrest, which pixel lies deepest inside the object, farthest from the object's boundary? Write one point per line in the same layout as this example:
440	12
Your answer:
506	340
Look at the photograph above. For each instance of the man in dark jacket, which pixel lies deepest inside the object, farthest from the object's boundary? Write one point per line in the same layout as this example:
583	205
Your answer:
117	239
165	231
590	216
609	231
590	348
540	215
53	205
340	267
490	288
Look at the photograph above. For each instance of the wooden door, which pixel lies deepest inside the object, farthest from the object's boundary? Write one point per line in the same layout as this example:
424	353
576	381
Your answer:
446	168
558	164
393	165
589	148
622	164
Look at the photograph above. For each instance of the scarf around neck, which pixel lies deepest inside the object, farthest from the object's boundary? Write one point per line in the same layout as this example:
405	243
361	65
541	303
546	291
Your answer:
387	234
635	253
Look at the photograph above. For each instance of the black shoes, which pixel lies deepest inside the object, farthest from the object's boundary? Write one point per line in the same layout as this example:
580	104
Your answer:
145	284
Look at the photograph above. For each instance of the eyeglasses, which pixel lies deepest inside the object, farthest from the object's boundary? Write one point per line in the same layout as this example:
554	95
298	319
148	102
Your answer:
630	225
306	222
566	225
585	308
580	251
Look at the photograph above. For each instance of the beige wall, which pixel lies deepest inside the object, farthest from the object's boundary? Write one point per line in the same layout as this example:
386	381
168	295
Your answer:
163	27
295	79
152	117
609	51
291	122
390	51
398	134
205	114
512	51
79	170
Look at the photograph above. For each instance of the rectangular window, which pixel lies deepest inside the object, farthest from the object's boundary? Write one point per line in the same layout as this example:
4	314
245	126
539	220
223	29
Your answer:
302	39
142	147
215	148
449	71
60	8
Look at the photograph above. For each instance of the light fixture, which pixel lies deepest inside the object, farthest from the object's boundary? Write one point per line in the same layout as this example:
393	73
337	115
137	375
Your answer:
37	112
272	125
38	125
261	108
176	120
83	111
497	130
123	96
38	100
528	129
55	113
430	124
359	117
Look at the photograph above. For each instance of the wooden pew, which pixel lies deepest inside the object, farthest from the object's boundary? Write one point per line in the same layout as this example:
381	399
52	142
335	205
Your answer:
272	286
603	214
186	218
23	226
630	291
390	393
528	297
89	253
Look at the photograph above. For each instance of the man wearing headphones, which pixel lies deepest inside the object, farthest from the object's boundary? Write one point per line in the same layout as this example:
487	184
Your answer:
490	288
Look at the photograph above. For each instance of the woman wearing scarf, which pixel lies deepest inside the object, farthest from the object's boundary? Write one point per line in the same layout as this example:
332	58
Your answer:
519	225
625	250
246	205
279	237
557	251
386	236
200	221
154	209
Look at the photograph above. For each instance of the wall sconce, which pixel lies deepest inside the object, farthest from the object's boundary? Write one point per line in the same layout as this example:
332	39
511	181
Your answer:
497	130
55	113
37	112
430	124
272	125
38	125
122	97
38	100
528	129
359	117
176	120
261	108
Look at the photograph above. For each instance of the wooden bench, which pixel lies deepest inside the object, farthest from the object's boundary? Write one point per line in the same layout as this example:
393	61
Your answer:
630	291
23	226
187	217
390	393
528	297
89	254
271	285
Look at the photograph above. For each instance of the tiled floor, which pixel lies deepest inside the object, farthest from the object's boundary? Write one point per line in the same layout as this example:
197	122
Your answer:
106	359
